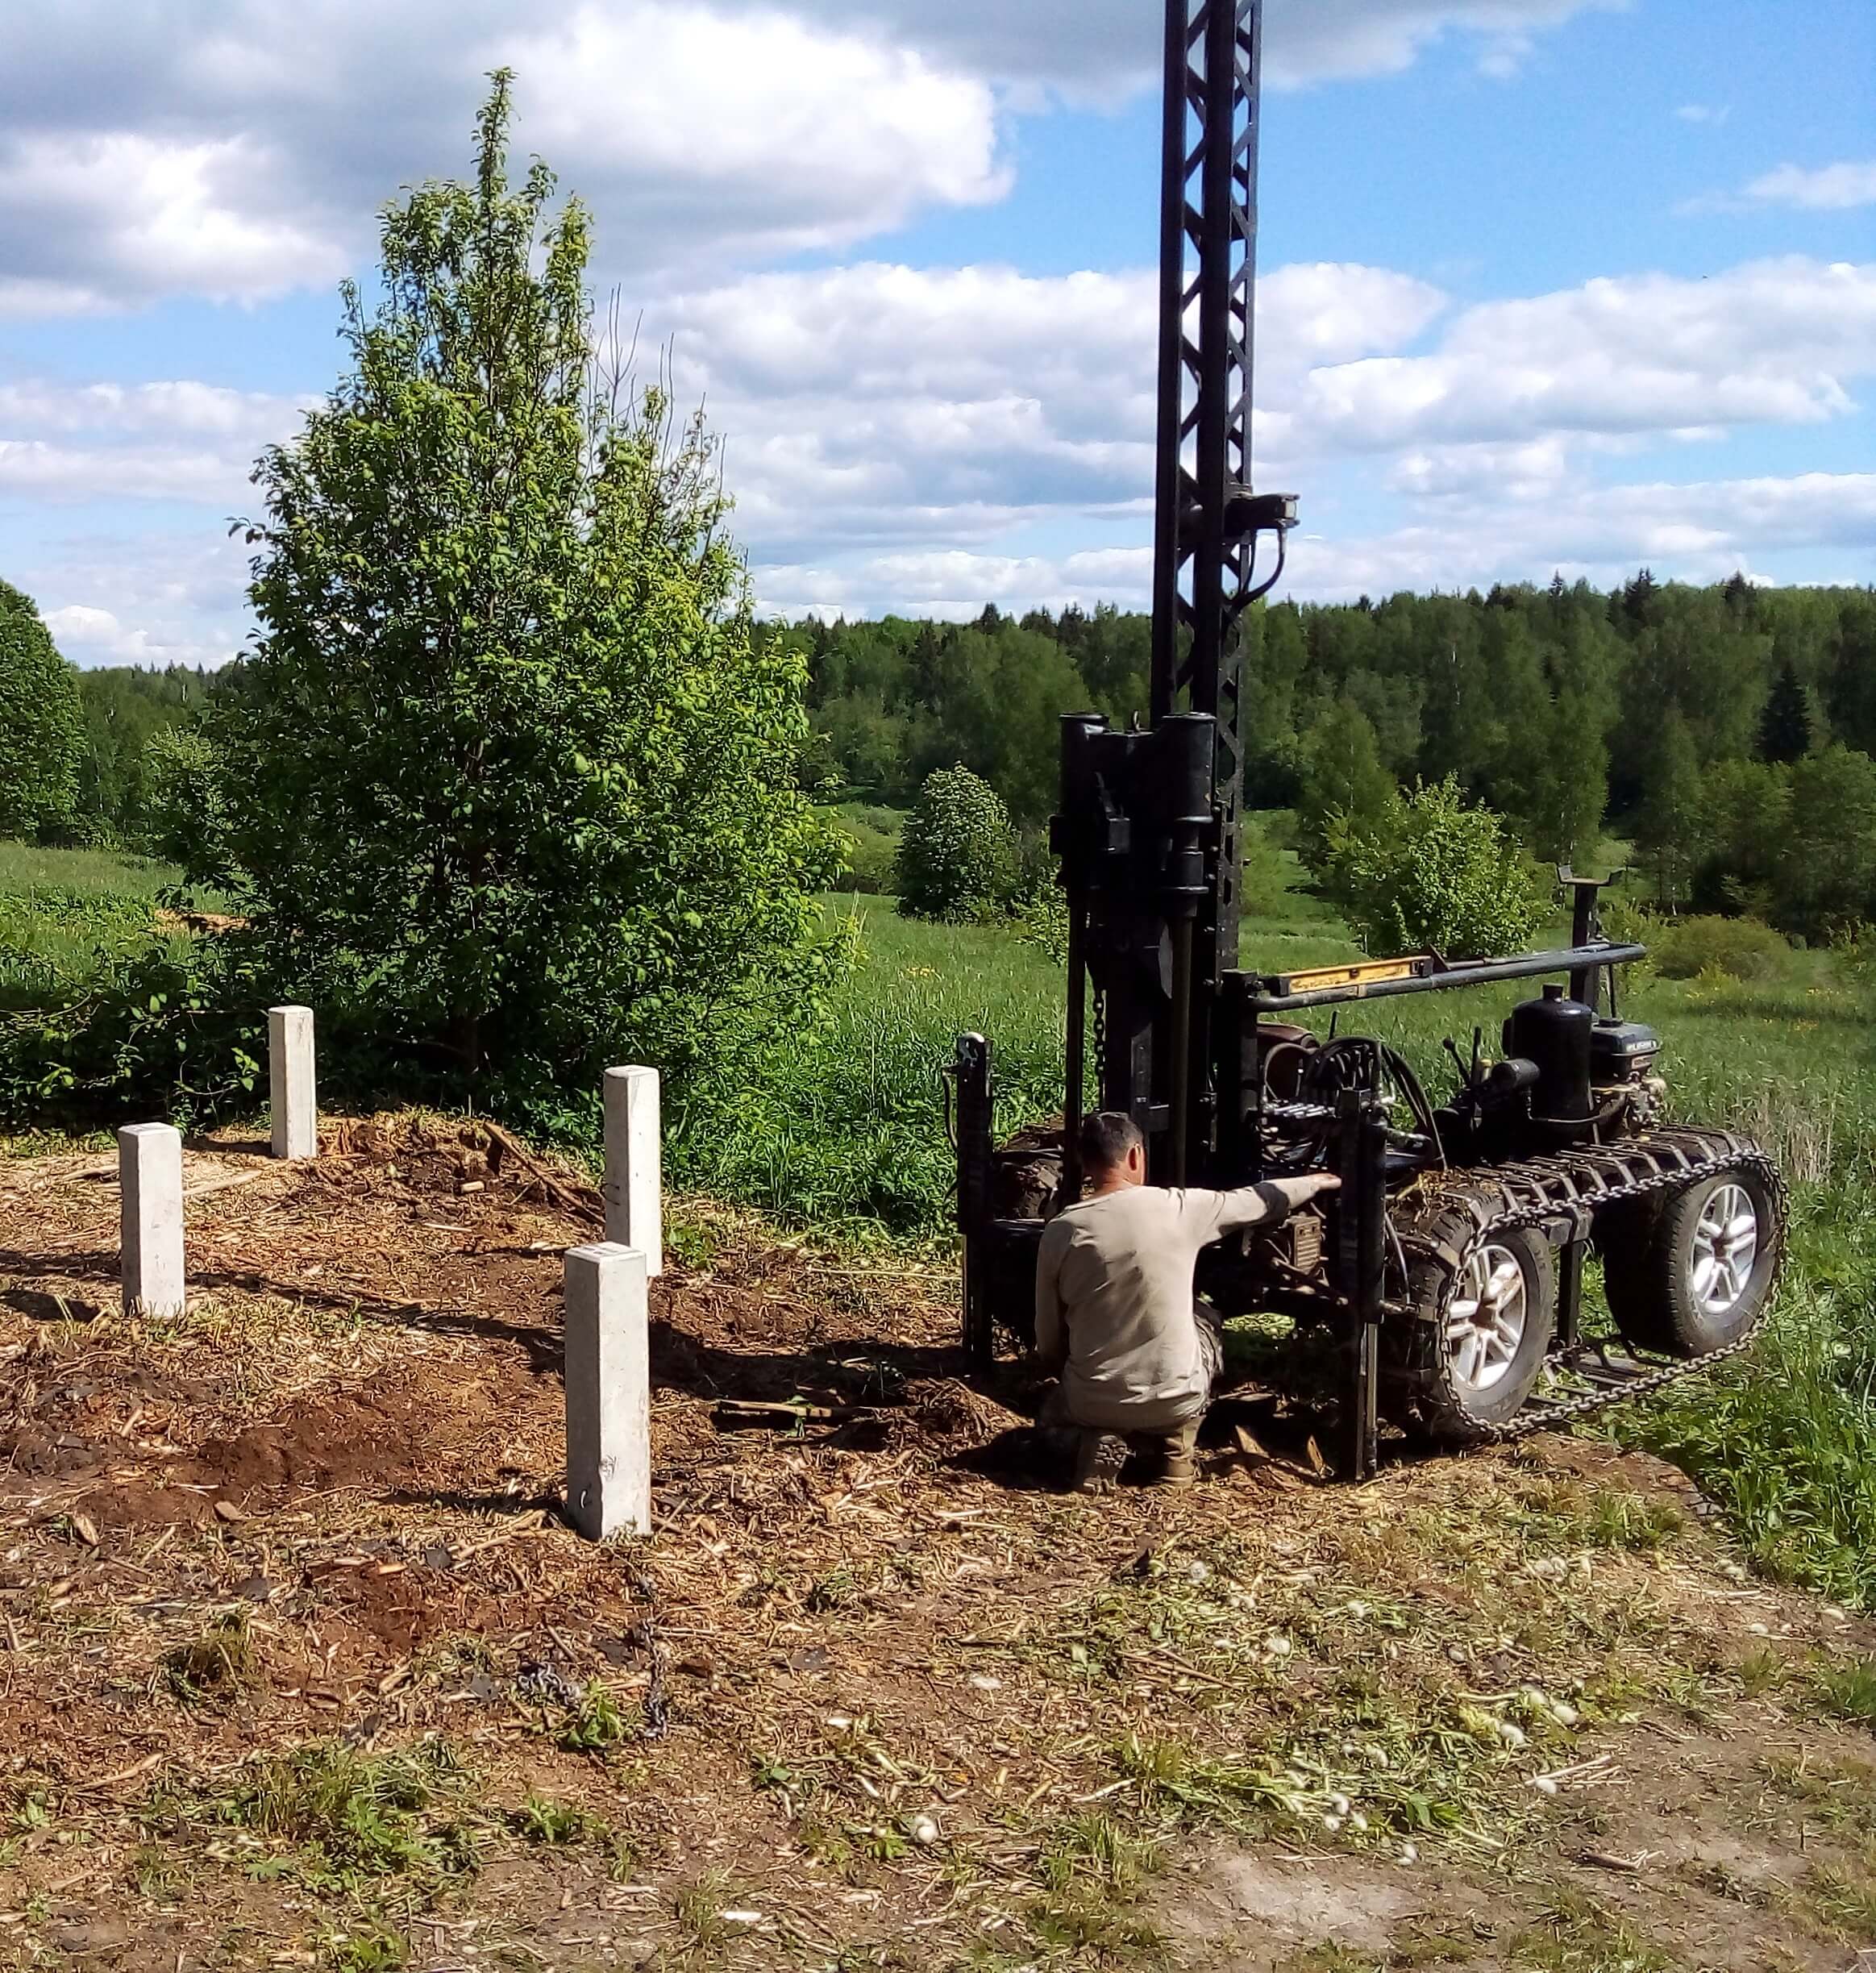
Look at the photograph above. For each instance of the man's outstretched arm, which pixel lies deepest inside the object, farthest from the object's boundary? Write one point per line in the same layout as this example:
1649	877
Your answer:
1256	1206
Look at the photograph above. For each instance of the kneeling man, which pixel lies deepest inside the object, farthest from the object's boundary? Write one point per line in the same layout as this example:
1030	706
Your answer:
1116	1314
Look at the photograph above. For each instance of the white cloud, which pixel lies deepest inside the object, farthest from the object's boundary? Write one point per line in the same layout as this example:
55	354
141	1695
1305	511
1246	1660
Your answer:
177	441
1713	114
1698	532
902	437
155	599
161	215
1309	40
1108	45
875	401
1832	188
954	584
178	406
1775	342
237	149
879	404
87	636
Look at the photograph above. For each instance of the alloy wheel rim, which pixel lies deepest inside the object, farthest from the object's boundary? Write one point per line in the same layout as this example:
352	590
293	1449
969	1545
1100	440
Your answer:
1486	1319
1726	1246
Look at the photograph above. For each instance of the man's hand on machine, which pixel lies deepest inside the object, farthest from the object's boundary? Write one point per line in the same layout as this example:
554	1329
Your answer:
1300	1191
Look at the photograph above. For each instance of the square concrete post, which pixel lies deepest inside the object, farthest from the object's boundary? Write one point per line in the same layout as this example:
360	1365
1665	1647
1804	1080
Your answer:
149	1167
608	1393
634	1174
290	1082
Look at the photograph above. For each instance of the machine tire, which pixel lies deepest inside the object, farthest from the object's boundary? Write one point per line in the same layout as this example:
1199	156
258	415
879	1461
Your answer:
1656	1257
1460	1393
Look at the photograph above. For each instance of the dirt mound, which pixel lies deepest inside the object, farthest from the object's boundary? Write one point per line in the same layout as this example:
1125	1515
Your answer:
397	1432
946	1413
461	1158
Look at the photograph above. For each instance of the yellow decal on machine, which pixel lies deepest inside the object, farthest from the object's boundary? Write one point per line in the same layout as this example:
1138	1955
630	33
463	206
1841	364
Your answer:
1373	973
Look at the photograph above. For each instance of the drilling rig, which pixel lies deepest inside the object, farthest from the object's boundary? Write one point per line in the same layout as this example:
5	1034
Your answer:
1449	1269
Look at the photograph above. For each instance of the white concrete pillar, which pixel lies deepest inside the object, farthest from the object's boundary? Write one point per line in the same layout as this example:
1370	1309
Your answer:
634	1165
149	1168
608	1393
290	1082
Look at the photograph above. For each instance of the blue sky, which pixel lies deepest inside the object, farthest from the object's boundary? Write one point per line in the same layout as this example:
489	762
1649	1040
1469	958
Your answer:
1548	284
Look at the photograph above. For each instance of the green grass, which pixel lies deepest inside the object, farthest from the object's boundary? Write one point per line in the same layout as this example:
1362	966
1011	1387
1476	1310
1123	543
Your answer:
337	1816
846	1123
1850	1690
95	872
59	909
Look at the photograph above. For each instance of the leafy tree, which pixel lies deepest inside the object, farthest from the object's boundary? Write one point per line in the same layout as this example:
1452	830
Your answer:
40	723
1446	878
1570	786
1669	829
999	694
958	857
1342	781
186	818
508	768
1827	872
127	708
1745	812
1636	601
1785	732
1521	694
1853	673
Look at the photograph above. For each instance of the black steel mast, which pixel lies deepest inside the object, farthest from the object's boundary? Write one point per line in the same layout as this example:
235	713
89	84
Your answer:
1202	570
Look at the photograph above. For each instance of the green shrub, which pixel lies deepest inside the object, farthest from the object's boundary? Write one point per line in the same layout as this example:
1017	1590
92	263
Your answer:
869	842
1436	875
958	858
171	1029
1853	957
1042	921
1626	923
1266	875
187	806
1741	948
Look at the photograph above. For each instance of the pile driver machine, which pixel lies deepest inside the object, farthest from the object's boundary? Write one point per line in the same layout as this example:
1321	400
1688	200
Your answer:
1449	1267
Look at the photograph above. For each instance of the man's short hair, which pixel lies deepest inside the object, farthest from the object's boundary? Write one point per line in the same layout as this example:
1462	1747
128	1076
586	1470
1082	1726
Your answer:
1106	1138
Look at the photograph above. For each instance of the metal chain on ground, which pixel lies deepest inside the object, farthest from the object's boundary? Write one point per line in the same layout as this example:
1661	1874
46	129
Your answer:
657	1700
1734	1154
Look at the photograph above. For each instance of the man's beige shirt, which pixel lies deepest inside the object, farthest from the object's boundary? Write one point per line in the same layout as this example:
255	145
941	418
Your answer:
1114	1301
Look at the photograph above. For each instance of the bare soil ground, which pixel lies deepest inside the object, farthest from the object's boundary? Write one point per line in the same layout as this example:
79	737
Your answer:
299	1665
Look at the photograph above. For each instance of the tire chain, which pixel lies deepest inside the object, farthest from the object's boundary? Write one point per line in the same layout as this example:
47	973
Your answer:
1589	1191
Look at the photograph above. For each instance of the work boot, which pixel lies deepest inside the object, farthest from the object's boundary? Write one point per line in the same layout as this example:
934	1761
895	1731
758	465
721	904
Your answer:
1169	1455
1099	1458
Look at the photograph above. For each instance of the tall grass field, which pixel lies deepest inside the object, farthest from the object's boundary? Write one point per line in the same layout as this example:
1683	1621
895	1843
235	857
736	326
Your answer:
841	1128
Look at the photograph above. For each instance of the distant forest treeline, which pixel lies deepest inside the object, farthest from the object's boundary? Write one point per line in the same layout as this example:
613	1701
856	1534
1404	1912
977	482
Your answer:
1728	730
122	709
